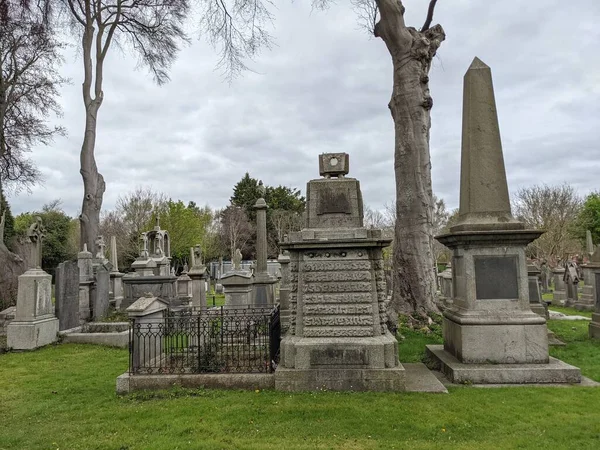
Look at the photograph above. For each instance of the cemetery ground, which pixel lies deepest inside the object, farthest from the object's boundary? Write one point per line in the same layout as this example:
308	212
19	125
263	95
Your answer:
63	397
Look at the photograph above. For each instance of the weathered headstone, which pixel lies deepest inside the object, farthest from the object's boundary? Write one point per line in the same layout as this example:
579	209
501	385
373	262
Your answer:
571	279
66	293
490	333
559	296
587	300
337	337
35	324
197	274
100	298
535	296
594	327
86	283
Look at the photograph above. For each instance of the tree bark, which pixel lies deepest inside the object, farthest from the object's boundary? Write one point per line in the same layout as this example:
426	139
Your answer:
410	105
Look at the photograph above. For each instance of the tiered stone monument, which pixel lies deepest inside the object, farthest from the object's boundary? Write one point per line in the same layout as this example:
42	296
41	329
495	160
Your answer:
35	324
116	277
100	294
86	283
337	337
237	283
587	301
197	274
490	333
263	283
151	270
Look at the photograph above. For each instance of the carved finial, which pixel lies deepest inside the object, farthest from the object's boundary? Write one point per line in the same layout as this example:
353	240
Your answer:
261	189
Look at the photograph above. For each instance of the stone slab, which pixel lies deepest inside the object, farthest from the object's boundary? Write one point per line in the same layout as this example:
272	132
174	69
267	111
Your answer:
28	335
114	339
555	371
67	294
343	379
127	383
594	330
420	379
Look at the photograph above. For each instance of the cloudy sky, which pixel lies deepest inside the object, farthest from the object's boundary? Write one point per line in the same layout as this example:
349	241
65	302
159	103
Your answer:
325	87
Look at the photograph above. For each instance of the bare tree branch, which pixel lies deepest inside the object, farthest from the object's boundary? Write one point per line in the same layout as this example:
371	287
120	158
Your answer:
429	18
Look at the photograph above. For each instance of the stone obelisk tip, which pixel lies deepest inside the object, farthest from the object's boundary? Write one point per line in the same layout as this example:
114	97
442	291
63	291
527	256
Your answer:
484	200
478	64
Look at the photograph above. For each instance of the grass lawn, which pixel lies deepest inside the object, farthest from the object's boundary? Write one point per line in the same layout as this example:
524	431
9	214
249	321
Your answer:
63	397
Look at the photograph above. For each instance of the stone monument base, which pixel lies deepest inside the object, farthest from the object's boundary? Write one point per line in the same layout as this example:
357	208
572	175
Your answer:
263	289
587	300
540	309
594	327
28	335
555	371
499	339
340	379
340	364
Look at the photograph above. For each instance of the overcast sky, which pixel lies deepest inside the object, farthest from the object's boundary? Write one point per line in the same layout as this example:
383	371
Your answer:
325	88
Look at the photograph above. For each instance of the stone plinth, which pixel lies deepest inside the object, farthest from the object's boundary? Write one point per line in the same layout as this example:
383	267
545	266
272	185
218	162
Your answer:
116	289
35	324
198	276
237	286
337	337
184	288
587	301
146	314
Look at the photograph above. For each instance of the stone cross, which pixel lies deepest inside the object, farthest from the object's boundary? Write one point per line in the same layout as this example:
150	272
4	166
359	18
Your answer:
144	239
36	234
101	246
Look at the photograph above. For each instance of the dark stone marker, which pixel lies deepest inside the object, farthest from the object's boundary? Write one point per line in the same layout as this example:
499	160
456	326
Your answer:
66	293
496	277
101	300
597	289
334	201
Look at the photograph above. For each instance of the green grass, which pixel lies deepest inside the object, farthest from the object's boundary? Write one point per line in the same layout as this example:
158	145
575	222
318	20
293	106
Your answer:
570	311
62	397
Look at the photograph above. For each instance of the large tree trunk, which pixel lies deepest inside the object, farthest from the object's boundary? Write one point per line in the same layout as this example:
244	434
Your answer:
413	262
93	182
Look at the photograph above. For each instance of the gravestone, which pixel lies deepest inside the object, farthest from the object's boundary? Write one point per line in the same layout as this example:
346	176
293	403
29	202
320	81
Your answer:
545	276
35	324
535	296
101	298
490	333
197	274
594	326
66	292
559	296
337	337
116	277
587	300
571	279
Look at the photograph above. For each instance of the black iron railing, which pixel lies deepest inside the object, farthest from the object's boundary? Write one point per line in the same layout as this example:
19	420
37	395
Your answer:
208	340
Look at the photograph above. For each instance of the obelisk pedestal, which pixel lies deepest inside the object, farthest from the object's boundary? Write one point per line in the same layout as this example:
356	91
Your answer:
263	289
490	333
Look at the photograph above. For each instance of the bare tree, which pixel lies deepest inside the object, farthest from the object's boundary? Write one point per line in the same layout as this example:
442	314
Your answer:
153	30
553	209
29	82
236	229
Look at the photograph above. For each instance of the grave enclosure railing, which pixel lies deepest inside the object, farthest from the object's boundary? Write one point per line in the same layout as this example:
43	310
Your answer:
209	340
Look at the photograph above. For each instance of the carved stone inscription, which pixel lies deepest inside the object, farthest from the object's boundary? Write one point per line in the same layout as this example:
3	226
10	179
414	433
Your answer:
496	277
43	296
333	356
337	294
